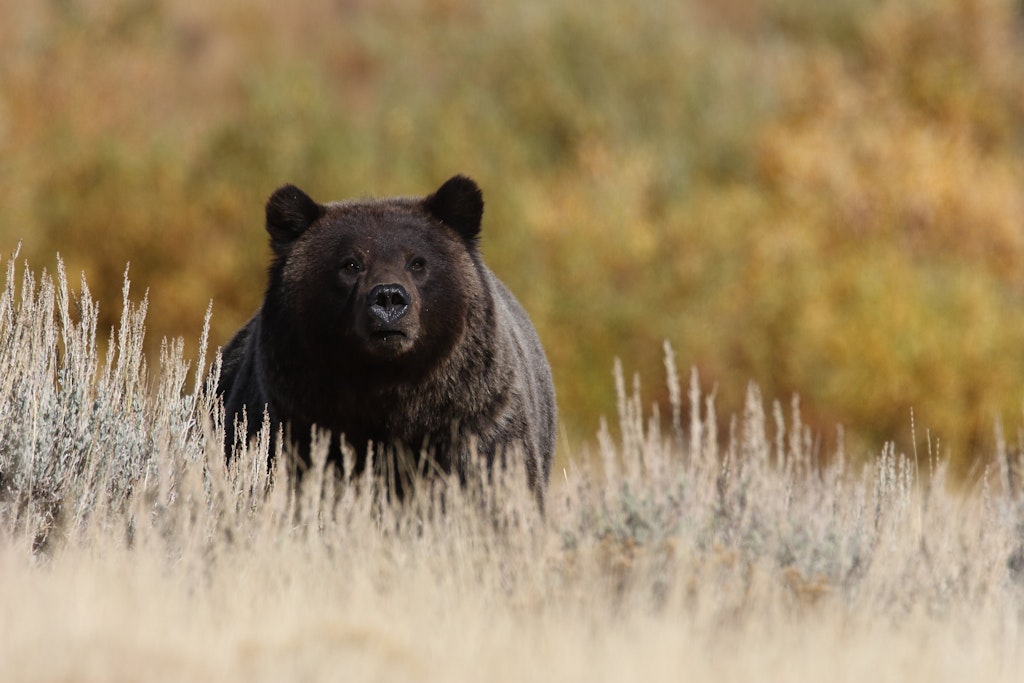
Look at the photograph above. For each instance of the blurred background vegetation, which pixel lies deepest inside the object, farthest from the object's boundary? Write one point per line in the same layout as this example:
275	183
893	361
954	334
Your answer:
826	198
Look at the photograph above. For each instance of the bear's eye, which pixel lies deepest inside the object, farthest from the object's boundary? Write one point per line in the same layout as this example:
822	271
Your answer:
417	264
350	265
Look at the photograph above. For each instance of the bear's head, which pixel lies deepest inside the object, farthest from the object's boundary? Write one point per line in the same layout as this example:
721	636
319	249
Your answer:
378	282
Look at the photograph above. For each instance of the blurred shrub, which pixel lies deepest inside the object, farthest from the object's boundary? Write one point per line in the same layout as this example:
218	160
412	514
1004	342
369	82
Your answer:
823	197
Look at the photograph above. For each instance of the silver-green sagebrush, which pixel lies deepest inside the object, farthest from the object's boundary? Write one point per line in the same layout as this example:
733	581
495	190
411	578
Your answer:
129	551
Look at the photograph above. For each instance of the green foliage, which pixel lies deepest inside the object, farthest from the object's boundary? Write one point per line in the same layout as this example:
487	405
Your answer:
824	197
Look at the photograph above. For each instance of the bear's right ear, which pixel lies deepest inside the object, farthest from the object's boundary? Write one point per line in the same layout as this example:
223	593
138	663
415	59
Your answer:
289	212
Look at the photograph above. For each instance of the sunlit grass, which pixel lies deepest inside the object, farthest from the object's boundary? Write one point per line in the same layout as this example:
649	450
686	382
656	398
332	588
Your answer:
129	552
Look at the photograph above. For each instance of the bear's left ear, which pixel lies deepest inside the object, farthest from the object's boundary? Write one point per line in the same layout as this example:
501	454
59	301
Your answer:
459	204
289	212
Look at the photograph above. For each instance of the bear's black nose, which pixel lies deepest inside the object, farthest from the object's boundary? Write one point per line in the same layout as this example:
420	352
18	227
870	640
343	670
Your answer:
388	303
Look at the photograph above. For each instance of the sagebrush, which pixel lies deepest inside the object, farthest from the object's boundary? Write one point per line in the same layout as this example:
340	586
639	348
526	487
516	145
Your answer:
130	552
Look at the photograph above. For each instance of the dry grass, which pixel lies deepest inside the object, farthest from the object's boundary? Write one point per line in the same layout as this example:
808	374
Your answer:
127	553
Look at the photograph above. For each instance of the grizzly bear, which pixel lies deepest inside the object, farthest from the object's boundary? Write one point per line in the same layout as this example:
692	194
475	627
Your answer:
382	324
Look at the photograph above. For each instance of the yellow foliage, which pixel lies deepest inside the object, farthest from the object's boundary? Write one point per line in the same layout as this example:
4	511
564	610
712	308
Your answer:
826	198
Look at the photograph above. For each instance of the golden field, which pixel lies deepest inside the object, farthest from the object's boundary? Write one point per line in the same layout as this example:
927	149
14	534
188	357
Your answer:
129	553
